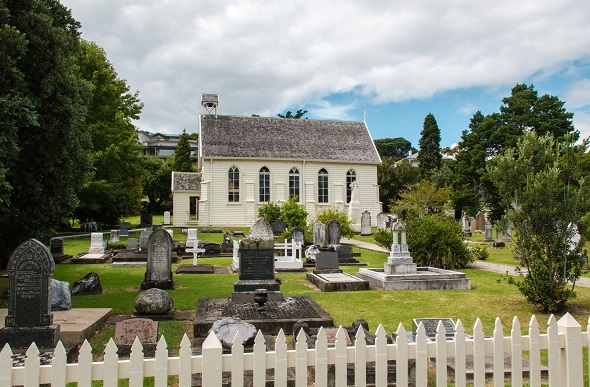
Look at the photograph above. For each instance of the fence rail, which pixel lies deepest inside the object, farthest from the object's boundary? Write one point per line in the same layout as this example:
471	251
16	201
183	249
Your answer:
564	341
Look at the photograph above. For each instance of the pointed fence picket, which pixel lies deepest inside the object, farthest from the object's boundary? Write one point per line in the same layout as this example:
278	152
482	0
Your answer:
563	340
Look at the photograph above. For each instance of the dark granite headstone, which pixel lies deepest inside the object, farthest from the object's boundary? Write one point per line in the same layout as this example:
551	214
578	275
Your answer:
144	329
278	227
344	252
334	233
257	264
125	225
29	316
145	220
326	260
211	249
56	246
297	235
159	264
431	324
123	232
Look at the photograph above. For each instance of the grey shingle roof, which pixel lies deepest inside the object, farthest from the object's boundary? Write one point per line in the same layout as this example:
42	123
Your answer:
284	138
186	181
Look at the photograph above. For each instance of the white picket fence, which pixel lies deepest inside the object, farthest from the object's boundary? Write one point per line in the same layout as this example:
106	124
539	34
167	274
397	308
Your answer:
290	257
563	341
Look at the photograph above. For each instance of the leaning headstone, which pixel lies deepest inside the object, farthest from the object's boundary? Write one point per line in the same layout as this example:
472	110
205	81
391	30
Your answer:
334	233
114	237
144	329
88	285
59	291
159	262
145	220
381	220
366	223
278	227
297	235
29	317
192	238
96	243
166	217
319	234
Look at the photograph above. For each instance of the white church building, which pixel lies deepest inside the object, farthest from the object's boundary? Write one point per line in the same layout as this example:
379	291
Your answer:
245	162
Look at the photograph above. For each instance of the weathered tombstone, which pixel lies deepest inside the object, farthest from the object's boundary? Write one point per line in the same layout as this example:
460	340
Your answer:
326	260
366	223
431	326
145	220
56	246
488	232
257	265
29	316
227	246
192	238
278	227
159	263
466	227
132	244
334	233
297	235
166	217
381	220
226	328
508	235
59	292
96	243
354	206
144	329
319	234
114	237
499	242
124	229
143	239
478	223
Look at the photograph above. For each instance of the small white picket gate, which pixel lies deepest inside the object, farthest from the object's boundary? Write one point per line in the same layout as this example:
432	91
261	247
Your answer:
563	341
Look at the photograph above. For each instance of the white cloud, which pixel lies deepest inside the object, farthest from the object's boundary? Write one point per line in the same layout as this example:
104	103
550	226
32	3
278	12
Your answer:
577	94
582	123
262	57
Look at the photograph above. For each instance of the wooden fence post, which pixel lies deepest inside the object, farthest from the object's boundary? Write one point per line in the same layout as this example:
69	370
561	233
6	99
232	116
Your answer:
571	355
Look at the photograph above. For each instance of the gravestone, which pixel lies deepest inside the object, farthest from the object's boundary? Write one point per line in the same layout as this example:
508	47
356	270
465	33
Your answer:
144	238
345	254
211	249
381	220
326	260
278	227
56	246
159	262
366	223
227	246
257	265
145	220
59	292
334	233
488	232
132	244
192	237
144	329
431	325
124	229
88	285
466	226
297	235
319	234
171	232
354	206
114	237
166	217
29	317
96	243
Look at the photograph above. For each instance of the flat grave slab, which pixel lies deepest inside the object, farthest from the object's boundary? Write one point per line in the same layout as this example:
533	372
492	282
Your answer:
91	258
277	315
336	281
195	269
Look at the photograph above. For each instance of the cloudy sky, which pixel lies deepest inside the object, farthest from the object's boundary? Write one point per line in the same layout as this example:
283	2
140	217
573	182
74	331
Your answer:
396	61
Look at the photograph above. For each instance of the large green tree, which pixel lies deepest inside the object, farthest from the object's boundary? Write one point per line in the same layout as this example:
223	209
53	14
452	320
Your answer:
115	150
156	182
542	183
396	148
393	177
42	104
182	157
429	157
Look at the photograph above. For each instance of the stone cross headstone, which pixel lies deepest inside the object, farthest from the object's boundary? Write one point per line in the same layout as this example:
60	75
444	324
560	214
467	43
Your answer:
319	234
297	236
381	220
366	223
143	239
96	243
29	317
192	237
159	262
114	236
166	217
334	233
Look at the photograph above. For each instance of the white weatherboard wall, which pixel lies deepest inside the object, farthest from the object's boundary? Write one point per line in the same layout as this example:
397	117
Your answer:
215	210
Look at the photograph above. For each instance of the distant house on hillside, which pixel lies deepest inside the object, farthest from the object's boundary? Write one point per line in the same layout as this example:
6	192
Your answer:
412	158
163	145
248	161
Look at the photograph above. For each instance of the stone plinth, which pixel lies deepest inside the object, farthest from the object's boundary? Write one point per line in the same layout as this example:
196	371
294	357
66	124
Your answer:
336	281
425	278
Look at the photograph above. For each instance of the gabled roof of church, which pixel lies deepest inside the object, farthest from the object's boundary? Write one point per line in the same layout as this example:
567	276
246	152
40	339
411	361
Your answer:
284	138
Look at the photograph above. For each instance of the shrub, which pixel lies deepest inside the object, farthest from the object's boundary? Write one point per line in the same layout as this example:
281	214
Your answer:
294	215
437	241
271	212
478	253
332	213
384	238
